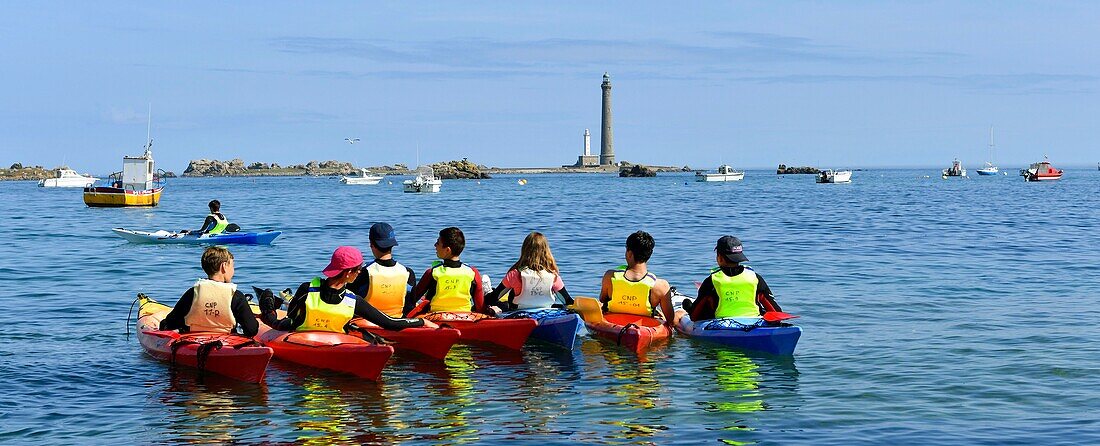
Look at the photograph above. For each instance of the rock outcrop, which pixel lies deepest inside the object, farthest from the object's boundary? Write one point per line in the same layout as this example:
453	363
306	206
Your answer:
461	170
237	167
784	170
215	168
637	171
18	171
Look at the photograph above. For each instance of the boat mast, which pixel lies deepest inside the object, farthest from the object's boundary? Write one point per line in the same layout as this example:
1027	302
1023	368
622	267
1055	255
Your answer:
991	144
149	132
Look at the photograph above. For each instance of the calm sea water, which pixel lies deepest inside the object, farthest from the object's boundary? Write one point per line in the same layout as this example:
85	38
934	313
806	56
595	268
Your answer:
934	311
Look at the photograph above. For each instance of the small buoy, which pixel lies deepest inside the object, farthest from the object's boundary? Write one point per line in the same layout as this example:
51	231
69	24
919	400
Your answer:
479	182
521	181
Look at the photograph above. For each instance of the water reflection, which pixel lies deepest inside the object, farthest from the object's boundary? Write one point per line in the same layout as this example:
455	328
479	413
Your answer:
214	409
633	385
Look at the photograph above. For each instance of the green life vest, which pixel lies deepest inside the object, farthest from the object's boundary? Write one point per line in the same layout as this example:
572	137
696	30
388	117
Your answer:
736	294
452	288
323	316
219	224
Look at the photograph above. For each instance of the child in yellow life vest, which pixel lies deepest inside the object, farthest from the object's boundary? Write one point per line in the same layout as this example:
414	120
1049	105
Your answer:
213	305
385	283
215	223
450	285
325	304
533	282
731	290
635	290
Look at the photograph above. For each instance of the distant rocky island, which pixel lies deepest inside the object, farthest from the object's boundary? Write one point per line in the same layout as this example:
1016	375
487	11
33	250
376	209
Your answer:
460	169
17	172
784	170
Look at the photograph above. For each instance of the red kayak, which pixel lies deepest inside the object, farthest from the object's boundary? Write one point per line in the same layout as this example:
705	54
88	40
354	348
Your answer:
327	350
477	327
238	357
433	342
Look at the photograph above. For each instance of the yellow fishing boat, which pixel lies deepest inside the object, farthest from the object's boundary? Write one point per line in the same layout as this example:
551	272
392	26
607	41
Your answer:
136	185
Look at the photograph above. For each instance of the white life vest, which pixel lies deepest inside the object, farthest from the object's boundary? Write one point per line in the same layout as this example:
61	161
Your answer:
538	290
211	309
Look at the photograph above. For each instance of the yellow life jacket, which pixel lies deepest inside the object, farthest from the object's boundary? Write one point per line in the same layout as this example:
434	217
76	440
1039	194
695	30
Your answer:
631	297
211	309
323	316
388	285
736	294
452	288
219	224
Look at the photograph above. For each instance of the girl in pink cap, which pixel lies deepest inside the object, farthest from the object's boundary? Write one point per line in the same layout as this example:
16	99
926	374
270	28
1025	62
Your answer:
325	304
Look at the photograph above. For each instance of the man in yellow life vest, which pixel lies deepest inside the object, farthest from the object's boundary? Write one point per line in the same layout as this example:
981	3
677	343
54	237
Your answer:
215	223
732	290
325	304
384	283
450	285
213	304
635	290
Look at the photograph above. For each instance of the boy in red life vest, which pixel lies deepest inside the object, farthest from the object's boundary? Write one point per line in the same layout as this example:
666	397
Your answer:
731	290
213	305
450	285
635	290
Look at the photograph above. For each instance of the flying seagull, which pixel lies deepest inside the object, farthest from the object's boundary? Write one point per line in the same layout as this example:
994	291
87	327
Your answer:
351	140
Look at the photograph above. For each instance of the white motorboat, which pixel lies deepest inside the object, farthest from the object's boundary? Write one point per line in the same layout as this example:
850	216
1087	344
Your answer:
68	178
365	177
956	170
425	181
834	176
725	173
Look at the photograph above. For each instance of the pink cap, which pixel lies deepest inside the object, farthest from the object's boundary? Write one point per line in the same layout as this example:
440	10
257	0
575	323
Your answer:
343	258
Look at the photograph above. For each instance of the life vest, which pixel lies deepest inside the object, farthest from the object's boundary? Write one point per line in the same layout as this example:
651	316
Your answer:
736	294
631	297
388	285
452	288
220	223
211	309
537	289
323	316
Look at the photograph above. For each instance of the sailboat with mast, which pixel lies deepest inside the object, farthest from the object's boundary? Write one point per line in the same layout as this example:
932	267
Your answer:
989	168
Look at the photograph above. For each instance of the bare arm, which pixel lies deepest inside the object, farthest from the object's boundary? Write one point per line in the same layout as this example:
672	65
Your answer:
661	294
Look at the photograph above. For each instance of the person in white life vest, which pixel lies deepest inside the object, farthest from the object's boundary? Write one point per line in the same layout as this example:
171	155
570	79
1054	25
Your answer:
213	304
533	282
633	289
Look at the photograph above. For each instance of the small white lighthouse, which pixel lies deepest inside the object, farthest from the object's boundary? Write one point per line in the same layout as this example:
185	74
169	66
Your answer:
587	143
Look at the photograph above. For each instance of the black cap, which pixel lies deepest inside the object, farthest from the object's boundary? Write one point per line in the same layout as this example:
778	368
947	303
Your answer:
382	235
730	248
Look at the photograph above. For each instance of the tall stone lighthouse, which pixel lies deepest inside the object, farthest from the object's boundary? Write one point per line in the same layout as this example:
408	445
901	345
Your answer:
607	146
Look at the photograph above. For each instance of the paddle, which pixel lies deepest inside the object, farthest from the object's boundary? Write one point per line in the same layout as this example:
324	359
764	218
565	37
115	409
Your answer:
589	308
777	316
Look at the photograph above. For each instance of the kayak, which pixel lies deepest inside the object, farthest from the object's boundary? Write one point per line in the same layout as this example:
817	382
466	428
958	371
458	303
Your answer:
235	356
555	326
759	336
477	327
632	332
432	342
177	238
327	350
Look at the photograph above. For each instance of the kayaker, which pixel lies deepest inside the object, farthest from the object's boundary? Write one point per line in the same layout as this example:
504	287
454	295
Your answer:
450	285
213	304
325	304
635	290
533	281
731	290
215	222
384	283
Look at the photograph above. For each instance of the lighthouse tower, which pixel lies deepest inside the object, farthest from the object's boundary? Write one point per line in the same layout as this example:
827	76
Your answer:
607	146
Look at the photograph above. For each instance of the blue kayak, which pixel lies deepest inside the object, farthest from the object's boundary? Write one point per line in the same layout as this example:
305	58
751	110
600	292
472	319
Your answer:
556	326
176	238
746	335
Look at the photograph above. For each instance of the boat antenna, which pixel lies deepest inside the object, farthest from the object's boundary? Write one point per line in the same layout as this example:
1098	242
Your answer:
149	132
991	143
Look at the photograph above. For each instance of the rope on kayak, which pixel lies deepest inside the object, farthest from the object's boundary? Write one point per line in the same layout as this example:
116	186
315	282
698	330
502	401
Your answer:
731	324
201	352
538	314
131	312
619	340
369	336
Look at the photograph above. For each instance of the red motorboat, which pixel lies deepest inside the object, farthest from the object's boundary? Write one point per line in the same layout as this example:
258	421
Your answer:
1041	171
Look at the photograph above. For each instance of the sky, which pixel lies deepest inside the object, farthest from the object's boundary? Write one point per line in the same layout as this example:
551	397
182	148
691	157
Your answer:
514	84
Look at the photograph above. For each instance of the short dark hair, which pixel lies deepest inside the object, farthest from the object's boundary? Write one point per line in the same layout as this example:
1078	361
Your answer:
453	238
215	205
213	258
381	249
641	244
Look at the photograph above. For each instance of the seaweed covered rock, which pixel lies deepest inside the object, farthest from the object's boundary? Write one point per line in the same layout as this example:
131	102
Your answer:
462	169
637	171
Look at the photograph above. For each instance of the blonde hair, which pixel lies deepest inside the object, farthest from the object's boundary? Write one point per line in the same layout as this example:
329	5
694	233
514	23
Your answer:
535	254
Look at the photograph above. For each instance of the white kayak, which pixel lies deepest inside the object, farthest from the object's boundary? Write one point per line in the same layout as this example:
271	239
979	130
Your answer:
166	237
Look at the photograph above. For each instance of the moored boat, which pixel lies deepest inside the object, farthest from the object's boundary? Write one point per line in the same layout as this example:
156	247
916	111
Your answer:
136	185
834	176
956	170
724	173
1041	171
989	168
68	178
425	181
365	177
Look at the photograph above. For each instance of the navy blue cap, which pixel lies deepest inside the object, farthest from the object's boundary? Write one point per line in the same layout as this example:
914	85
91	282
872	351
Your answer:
382	235
730	248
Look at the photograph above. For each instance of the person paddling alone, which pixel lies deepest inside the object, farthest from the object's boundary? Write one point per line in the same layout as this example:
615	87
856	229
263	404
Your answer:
215	222
213	304
732	290
634	290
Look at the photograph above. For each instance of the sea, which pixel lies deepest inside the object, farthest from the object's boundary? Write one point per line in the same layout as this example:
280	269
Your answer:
960	311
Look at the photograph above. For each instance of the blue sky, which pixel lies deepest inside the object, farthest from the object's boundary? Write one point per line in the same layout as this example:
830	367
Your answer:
753	84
